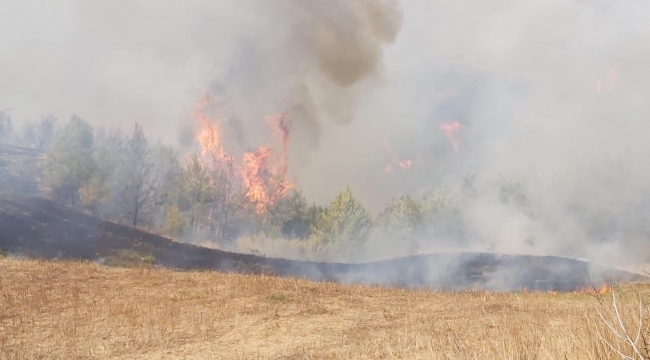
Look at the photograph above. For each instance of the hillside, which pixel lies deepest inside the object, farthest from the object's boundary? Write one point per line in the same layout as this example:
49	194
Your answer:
39	228
62	310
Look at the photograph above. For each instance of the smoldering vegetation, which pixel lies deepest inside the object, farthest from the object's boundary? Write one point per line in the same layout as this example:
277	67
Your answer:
406	128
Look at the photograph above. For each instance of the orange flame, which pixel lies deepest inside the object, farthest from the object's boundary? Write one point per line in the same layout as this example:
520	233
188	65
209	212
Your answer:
265	186
261	174
605	289
451	131
587	290
396	162
405	164
213	156
265	180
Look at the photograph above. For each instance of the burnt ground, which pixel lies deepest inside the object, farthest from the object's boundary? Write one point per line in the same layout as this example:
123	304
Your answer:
40	228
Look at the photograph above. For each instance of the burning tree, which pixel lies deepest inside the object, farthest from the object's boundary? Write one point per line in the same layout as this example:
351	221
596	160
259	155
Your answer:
264	184
219	170
258	182
264	176
451	131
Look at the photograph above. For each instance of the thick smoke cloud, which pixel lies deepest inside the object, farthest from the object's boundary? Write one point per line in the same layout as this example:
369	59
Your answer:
553	93
311	59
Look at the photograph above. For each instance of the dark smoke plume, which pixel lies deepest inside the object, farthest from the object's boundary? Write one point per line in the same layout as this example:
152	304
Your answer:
309	58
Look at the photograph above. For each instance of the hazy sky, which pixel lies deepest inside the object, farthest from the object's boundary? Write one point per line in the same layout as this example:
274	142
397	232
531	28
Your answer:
554	92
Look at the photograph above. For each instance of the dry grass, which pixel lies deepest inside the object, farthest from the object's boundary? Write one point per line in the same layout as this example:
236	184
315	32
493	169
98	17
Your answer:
82	311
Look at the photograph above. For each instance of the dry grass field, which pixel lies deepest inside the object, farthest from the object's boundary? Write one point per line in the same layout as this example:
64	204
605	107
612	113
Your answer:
66	310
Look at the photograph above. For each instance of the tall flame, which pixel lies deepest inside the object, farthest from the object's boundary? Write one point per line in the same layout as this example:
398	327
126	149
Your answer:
262	174
451	131
213	156
264	186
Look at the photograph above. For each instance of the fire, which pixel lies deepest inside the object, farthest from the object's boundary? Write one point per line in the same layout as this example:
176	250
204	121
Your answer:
396	162
213	157
451	131
605	289
264	185
264	176
586	290
405	164
261	174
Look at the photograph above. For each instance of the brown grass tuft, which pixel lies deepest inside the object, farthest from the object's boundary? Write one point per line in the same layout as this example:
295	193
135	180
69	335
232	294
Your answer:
85	311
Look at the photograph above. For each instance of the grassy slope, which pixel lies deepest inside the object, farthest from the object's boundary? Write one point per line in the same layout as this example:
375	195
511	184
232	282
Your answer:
85	311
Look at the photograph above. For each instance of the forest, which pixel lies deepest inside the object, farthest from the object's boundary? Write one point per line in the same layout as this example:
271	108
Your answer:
203	197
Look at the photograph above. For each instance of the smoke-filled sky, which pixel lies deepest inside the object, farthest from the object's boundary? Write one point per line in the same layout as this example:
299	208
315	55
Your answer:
550	92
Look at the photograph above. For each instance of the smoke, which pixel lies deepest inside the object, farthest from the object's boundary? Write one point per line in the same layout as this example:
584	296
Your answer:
550	93
312	59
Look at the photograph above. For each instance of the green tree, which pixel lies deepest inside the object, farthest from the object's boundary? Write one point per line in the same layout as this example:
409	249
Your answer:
196	190
345	224
514	193
174	221
108	154
138	185
167	171
69	163
293	216
225	196
402	213
92	194
39	134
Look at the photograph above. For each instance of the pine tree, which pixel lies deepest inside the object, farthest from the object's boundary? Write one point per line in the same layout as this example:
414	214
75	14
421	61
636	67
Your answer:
402	213
346	224
196	189
69	163
137	181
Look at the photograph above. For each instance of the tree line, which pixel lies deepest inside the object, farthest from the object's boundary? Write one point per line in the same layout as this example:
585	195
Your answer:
126	178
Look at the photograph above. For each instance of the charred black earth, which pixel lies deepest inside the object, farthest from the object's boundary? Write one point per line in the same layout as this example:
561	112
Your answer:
40	228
